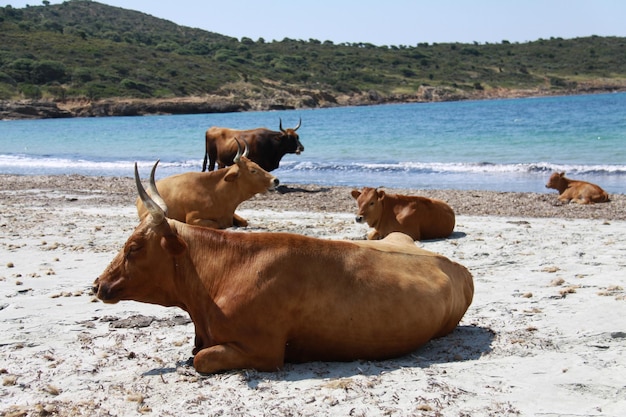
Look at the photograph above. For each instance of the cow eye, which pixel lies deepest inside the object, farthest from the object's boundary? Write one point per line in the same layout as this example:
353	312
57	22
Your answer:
132	250
371	203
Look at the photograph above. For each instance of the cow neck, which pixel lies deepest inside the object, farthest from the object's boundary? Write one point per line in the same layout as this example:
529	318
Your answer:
201	270
194	291
380	220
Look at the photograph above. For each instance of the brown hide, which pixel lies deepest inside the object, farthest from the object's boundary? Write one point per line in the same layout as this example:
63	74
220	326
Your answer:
576	191
260	299
210	199
419	217
266	147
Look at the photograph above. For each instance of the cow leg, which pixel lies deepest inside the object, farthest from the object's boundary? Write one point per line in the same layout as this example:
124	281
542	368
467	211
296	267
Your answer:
213	224
374	235
239	221
226	357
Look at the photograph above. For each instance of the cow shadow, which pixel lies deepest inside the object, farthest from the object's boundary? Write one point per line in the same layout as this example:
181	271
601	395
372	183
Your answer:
283	189
465	343
453	236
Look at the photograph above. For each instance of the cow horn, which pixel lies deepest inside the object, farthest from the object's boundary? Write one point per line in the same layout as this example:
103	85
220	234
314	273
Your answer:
238	155
299	124
280	125
246	148
153	189
157	213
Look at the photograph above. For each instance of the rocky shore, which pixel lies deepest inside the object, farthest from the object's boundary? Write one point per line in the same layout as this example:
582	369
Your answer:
319	199
274	99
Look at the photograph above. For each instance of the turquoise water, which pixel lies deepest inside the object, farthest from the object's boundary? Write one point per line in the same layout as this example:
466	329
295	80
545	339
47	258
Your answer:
501	145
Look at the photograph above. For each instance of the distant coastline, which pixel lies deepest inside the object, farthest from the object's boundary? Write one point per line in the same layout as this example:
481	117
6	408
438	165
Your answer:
304	99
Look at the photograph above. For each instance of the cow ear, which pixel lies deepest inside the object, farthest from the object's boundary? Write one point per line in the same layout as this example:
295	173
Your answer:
381	194
561	174
232	174
170	241
173	244
355	194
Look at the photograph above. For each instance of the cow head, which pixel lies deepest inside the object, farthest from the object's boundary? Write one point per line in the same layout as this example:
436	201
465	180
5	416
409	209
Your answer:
290	139
144	269
249	174
557	181
370	205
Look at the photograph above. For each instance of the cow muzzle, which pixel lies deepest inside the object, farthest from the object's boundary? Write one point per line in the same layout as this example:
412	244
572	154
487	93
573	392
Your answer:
103	292
273	184
359	219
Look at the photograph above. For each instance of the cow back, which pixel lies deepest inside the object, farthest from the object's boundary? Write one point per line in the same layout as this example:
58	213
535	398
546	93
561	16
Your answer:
420	217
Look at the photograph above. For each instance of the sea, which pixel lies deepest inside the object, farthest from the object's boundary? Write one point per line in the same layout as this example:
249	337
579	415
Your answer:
497	145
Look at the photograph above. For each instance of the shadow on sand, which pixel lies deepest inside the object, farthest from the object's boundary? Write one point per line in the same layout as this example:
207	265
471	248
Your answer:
465	343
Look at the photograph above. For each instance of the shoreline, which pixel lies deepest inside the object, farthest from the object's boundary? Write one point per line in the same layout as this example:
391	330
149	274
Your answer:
331	199
206	104
543	336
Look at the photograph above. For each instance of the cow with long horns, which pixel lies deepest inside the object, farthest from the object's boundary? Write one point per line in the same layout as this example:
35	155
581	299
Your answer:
210	198
258	300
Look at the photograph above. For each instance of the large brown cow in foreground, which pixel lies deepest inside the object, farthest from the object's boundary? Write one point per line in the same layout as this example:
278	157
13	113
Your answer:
258	300
267	147
419	217
581	192
210	199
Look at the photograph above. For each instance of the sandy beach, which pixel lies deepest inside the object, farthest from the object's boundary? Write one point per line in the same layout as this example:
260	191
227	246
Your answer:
545	335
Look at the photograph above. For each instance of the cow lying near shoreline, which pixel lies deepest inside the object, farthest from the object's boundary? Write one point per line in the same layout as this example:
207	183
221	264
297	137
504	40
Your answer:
267	147
258	300
210	199
419	217
581	192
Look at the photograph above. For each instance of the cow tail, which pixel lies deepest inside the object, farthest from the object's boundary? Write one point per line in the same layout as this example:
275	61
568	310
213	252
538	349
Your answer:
206	155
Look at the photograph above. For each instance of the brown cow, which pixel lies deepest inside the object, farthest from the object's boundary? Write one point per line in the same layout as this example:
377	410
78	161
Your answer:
210	198
267	147
581	192
258	300
419	217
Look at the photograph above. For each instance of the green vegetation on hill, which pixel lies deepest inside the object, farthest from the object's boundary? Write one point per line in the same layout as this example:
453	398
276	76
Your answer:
84	49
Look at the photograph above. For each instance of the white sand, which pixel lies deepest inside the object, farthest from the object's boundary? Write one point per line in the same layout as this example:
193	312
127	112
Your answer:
545	335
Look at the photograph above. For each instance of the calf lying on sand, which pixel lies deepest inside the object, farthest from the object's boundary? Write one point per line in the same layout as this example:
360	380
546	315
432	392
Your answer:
419	217
258	300
581	192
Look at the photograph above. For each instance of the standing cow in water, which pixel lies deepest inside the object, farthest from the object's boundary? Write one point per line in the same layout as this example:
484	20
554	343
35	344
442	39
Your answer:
266	147
419	217
581	192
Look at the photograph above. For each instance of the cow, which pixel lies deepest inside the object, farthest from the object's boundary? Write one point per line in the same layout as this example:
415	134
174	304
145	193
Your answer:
210	199
260	299
581	192
419	217
267	147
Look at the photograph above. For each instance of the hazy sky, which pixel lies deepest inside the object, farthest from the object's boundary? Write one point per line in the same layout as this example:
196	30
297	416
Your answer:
387	22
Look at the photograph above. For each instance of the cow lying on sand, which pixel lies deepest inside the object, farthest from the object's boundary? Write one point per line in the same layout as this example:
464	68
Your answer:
419	217
210	199
258	300
267	147
581	192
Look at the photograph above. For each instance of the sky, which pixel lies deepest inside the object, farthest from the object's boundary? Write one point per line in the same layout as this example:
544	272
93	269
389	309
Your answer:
387	22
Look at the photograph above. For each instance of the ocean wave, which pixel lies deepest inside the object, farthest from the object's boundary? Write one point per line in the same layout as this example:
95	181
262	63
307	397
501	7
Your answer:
457	168
484	175
28	164
34	165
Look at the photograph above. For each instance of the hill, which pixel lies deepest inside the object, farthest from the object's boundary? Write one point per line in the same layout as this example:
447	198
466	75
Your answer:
92	59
